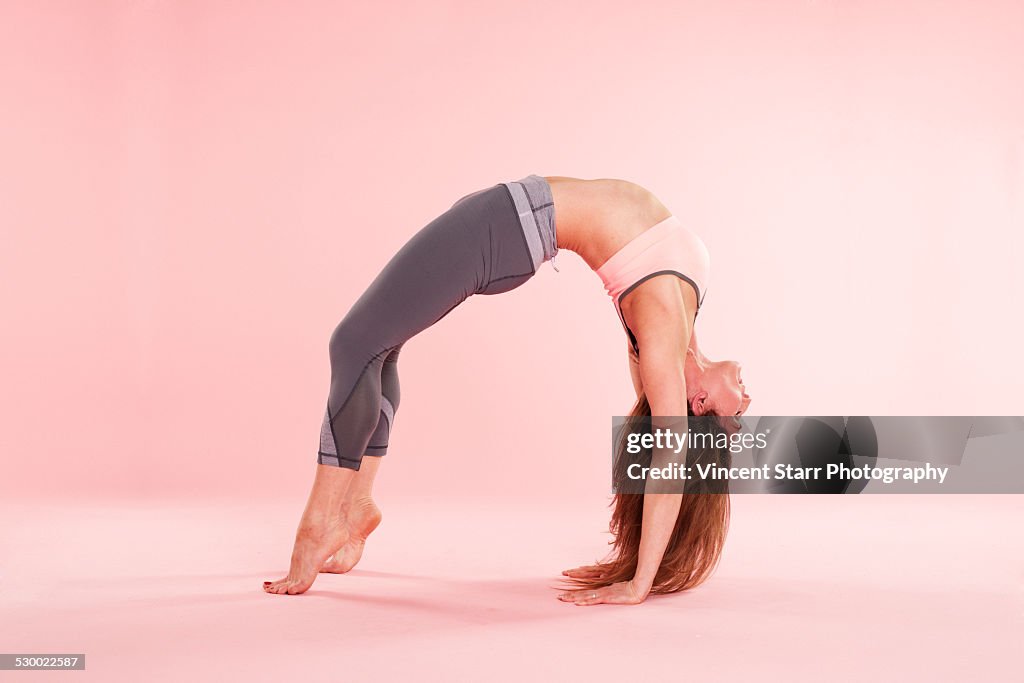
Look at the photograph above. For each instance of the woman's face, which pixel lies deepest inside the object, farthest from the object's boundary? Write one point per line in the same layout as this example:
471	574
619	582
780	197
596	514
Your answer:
721	390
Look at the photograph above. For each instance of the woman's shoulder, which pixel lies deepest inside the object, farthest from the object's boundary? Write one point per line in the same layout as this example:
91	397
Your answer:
664	305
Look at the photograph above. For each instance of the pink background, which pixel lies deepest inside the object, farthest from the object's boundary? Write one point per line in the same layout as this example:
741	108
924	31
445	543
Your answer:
193	193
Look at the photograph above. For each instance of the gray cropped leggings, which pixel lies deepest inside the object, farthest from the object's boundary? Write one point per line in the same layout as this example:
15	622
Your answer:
488	242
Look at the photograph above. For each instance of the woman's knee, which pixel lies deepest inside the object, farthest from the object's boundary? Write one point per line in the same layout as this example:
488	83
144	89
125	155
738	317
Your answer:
348	341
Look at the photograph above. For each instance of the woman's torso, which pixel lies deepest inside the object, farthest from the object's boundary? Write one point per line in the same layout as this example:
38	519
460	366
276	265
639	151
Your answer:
596	218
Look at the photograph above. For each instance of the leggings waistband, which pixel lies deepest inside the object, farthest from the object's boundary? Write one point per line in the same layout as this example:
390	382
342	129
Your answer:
536	209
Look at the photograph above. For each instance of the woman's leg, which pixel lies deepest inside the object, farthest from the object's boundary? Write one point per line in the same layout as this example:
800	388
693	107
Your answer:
355	409
321	530
362	516
486	243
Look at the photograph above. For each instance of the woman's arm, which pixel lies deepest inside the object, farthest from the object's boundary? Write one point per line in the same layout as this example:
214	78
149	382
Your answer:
661	372
664	335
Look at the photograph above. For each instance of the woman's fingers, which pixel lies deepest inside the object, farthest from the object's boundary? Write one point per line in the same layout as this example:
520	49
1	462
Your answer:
582	597
587	598
617	594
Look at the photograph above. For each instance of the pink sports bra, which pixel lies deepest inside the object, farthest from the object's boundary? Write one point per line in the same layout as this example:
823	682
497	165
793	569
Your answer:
668	247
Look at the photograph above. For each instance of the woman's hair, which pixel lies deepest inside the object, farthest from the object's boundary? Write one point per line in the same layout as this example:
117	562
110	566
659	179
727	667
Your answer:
695	547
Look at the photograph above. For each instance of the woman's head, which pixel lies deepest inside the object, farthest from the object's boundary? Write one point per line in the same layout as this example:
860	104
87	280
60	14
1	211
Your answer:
715	387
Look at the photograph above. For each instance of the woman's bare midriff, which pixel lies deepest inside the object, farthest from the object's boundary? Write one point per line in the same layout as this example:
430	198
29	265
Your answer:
597	217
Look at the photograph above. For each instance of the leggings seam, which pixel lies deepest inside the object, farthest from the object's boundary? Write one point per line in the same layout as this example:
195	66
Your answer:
522	235
535	210
339	457
355	384
506	277
529	200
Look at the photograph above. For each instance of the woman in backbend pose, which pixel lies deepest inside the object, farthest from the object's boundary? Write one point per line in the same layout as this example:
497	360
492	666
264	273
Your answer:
491	241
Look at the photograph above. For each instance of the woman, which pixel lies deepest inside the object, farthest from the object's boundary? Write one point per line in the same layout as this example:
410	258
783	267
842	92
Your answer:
490	242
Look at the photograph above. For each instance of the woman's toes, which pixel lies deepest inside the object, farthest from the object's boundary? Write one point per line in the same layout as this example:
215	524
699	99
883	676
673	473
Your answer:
274	587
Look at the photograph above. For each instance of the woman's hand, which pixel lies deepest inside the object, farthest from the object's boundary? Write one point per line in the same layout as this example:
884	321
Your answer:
622	593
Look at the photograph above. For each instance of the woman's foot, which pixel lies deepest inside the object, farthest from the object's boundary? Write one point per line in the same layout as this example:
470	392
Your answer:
362	518
316	540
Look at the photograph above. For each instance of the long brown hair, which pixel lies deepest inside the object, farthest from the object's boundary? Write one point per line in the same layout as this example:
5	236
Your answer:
695	546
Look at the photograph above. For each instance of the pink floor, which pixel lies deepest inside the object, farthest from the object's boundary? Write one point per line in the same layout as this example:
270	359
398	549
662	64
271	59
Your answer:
811	588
